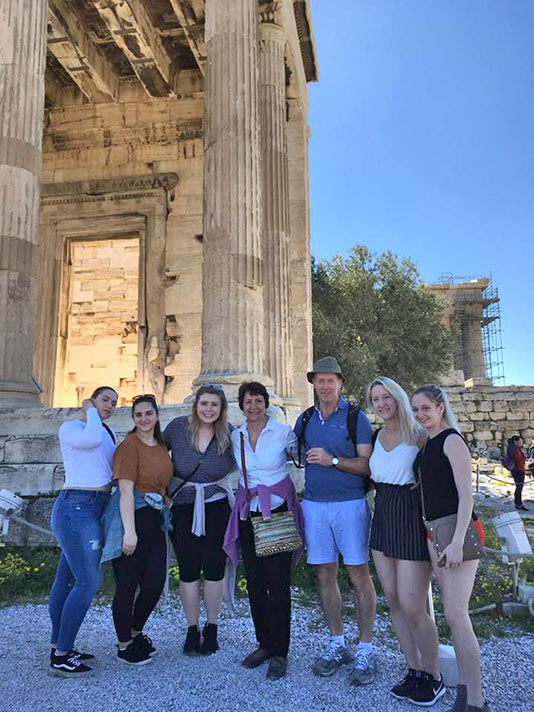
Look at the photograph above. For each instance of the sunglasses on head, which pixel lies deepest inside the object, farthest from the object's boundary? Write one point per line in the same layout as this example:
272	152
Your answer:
215	386
142	396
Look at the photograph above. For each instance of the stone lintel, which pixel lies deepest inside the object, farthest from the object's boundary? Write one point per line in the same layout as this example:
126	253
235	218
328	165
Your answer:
166	181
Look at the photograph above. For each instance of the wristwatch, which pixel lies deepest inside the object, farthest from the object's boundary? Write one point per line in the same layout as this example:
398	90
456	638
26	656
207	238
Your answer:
335	461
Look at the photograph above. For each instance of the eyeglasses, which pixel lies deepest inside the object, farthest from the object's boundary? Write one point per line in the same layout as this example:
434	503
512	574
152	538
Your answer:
215	386
142	396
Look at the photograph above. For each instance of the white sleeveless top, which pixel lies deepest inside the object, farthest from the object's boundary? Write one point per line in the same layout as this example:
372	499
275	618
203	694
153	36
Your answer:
393	467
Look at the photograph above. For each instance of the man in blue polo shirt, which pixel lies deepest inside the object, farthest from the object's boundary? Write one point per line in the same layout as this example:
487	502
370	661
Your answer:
336	516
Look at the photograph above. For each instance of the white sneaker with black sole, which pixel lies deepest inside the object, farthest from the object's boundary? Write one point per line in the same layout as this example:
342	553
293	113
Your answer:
427	690
68	666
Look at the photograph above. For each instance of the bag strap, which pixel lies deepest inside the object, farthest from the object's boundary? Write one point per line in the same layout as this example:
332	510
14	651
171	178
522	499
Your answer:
244	465
110	431
421	482
306	415
185	481
353	411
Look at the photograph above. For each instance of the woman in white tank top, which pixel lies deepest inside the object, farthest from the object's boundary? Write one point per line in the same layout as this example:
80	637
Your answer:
398	541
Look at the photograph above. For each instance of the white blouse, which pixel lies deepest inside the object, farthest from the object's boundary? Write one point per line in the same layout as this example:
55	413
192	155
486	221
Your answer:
267	464
393	467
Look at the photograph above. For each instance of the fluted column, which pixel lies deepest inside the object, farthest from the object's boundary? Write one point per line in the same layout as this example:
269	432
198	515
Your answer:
275	191
232	320
300	250
22	67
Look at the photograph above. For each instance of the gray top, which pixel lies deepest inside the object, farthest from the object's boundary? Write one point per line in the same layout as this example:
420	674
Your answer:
213	467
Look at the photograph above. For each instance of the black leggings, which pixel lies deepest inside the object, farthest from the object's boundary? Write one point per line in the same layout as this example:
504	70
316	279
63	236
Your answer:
146	568
200	554
519	479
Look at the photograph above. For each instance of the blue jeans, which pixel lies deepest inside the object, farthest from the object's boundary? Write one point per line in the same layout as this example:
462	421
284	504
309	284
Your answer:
76	526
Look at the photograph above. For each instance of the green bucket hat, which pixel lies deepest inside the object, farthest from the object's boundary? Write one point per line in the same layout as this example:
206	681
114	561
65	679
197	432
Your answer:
327	364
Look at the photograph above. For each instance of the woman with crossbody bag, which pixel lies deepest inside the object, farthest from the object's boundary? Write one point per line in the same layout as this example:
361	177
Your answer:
455	535
264	497
201	498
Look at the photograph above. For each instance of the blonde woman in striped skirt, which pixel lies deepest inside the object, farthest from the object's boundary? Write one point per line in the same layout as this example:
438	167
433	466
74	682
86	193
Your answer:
398	541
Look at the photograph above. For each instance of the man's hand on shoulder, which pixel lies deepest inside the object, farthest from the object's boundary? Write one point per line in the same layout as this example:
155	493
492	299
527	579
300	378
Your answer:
319	456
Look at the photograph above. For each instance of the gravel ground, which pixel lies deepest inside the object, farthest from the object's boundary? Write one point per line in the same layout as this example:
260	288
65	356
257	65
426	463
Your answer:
174	682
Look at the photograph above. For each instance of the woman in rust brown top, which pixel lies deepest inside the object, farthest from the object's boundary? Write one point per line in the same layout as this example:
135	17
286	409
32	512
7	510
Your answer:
142	468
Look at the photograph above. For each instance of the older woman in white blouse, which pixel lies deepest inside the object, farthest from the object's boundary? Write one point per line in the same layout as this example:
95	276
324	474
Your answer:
261	443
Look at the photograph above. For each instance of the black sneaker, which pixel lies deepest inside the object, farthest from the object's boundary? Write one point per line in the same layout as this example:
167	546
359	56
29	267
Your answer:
147	642
192	641
68	666
427	691
406	686
209	639
75	654
135	654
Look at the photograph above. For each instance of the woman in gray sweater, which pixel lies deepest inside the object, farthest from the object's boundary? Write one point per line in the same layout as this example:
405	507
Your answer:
201	501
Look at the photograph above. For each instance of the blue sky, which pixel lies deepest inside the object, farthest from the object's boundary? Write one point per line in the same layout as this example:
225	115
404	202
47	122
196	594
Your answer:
422	142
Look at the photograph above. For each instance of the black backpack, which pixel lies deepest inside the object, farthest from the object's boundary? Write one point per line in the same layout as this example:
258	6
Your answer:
353	411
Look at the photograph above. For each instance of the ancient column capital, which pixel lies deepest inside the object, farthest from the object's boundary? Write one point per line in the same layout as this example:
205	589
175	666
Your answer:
270	13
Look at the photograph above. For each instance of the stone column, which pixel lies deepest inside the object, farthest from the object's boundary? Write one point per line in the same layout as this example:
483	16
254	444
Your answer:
232	319
22	67
277	326
300	251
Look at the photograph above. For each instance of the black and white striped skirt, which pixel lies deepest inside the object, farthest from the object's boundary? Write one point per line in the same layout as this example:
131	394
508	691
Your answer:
397	529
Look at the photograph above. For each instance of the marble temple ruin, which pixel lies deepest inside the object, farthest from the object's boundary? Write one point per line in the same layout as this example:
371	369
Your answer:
154	224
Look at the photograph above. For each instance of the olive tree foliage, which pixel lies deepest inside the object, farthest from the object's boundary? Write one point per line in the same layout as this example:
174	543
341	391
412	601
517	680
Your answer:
372	312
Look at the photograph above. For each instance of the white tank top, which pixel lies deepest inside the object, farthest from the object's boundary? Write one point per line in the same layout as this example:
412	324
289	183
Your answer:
393	467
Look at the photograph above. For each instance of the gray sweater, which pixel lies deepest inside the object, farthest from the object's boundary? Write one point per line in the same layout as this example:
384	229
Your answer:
185	458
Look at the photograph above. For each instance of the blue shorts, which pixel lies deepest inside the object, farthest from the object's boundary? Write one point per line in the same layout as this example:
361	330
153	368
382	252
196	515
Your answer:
333	528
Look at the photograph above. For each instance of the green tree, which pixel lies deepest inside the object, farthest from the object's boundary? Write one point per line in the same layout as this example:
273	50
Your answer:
373	313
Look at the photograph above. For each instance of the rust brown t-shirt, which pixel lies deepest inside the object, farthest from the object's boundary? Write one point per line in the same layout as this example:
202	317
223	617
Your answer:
149	467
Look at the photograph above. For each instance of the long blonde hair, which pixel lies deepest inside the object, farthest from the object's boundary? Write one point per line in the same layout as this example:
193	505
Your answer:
410	430
222	432
437	395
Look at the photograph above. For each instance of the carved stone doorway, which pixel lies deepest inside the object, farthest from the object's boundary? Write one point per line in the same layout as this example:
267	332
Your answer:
103	210
101	320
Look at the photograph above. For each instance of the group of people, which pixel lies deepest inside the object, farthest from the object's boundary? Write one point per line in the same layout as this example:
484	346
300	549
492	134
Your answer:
121	503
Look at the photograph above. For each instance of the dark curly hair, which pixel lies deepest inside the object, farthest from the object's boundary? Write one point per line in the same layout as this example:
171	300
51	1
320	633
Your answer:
255	389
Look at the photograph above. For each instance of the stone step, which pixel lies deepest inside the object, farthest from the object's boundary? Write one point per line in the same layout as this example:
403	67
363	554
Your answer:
32	479
32	449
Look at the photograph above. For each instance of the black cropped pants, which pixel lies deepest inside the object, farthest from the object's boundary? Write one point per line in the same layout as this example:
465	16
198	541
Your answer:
268	583
145	570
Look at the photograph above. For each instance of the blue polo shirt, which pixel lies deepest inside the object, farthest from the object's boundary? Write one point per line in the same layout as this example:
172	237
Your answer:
328	484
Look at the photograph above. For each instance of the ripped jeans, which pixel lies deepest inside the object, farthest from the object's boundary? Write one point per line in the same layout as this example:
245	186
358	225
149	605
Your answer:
76	526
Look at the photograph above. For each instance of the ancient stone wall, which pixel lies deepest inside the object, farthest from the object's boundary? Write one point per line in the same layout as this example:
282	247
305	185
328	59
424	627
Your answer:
31	464
489	415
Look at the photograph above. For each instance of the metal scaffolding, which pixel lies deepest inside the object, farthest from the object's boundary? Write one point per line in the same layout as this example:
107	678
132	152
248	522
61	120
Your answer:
477	314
